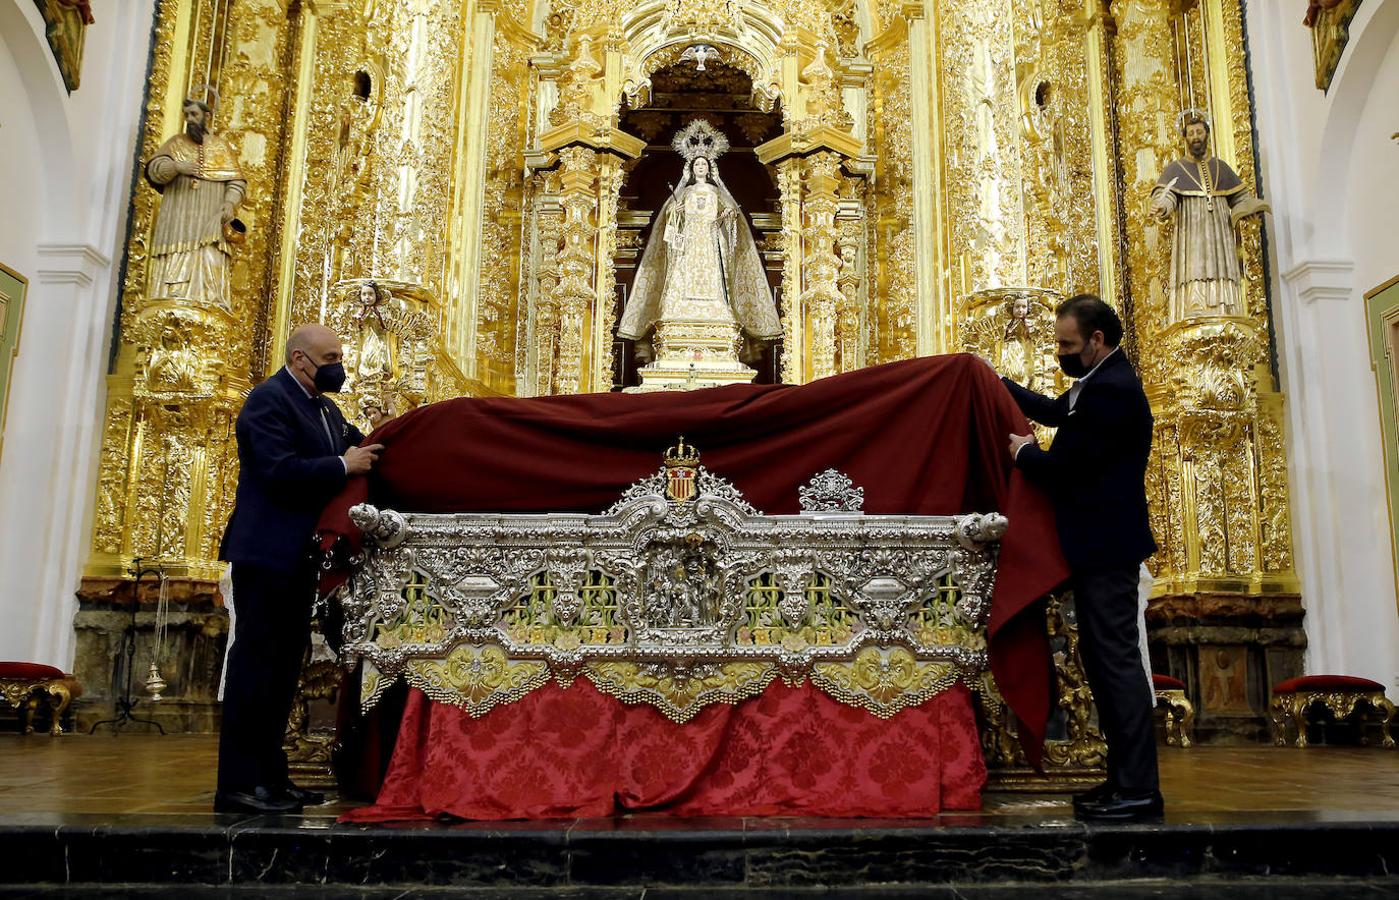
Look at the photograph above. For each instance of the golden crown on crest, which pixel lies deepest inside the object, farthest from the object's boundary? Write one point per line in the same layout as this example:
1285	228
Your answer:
682	455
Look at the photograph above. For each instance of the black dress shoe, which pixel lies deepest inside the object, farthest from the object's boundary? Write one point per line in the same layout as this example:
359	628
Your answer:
1122	807
1094	794
258	801
303	796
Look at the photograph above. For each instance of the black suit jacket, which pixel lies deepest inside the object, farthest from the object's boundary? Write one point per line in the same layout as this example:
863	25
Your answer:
1095	470
289	470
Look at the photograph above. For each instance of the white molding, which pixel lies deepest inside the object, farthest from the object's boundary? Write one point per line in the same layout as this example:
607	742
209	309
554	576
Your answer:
1322	279
77	264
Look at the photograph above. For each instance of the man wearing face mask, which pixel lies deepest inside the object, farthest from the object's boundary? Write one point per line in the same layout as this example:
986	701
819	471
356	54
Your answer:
295	451
1095	473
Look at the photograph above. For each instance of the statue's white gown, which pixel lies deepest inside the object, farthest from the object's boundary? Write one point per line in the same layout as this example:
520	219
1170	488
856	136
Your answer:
694	279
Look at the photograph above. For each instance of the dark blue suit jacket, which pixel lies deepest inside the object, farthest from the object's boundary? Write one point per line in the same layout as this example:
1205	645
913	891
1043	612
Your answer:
289	470
1095	470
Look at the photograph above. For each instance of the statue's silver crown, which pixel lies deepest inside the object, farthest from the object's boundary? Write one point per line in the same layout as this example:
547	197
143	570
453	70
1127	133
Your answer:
700	138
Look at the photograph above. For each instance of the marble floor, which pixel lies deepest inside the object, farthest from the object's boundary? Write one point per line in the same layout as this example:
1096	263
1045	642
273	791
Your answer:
173	775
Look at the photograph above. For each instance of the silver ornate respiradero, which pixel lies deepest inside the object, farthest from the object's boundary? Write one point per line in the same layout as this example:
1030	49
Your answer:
680	588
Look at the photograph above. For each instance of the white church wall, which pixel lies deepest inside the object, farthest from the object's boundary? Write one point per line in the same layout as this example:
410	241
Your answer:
66	163
1332	175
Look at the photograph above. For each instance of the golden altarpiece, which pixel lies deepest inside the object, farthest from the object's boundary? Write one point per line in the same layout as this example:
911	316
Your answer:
922	176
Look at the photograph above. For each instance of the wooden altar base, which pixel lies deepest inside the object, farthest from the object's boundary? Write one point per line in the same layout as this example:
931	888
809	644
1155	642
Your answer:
128	817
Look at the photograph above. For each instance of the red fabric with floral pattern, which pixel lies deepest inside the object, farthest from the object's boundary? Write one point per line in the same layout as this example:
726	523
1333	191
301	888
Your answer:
576	752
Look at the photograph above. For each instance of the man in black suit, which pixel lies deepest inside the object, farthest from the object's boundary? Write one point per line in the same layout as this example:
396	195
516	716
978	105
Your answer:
295	451
1095	473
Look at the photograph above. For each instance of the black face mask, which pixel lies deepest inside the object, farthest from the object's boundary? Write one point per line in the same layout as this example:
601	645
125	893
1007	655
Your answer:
329	378
1072	364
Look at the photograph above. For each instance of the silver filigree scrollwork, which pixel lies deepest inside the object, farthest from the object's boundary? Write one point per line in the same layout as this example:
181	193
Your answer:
385	527
980	528
686	590
831	491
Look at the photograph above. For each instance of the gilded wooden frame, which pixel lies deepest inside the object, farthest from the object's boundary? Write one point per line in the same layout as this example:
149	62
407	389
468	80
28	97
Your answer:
11	324
1382	322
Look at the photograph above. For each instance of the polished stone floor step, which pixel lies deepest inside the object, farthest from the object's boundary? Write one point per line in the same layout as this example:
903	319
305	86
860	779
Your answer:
713	856
1228	889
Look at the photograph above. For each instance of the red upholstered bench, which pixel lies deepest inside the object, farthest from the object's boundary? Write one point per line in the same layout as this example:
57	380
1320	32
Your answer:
1341	694
1180	713
22	685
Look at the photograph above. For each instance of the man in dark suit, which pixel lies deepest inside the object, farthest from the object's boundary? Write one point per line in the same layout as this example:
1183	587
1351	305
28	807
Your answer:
295	451
1095	473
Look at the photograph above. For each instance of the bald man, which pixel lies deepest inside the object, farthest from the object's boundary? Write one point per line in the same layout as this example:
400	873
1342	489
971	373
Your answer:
295	451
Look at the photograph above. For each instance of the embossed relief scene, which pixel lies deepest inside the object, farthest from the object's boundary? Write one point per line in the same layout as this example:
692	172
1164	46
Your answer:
653	414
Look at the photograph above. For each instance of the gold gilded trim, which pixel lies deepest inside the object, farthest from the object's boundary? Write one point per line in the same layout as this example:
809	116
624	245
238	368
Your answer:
7	365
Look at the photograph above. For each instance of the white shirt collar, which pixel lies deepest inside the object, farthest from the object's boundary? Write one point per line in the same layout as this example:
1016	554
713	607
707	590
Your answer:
1077	386
311	396
1085	377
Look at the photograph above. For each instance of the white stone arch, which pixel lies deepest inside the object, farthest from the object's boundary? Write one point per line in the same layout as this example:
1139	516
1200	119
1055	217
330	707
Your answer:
74	217
48	98
1350	91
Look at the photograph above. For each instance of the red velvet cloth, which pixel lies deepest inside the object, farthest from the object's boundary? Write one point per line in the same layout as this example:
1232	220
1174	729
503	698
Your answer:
560	753
1327	683
23	671
1166	683
925	437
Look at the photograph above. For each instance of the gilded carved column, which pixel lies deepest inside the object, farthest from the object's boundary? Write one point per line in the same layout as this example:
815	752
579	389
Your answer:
821	294
850	306
1226	603
985	178
544	338
576	292
894	244
789	186
610	178
168	462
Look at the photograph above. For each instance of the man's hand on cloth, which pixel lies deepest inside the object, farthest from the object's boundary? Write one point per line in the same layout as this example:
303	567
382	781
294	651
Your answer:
1019	440
359	460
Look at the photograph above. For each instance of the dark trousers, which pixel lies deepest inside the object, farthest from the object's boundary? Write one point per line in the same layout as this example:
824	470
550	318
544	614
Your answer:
1105	603
272	629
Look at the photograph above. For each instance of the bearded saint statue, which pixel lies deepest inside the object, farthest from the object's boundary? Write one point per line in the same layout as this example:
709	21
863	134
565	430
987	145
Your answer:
1208	200
700	268
197	175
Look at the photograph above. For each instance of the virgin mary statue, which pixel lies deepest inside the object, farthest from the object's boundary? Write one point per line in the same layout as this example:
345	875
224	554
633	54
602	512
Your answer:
700	290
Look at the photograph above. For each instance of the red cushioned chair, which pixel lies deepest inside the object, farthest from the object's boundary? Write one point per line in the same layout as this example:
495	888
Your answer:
1341	694
23	685
1180	713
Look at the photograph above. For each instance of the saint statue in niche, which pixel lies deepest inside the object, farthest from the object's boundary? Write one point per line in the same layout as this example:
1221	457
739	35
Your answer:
700	269
196	173
1208	200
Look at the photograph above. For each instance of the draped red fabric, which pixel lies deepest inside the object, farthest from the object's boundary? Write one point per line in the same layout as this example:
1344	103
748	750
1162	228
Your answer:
576	753
926	437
